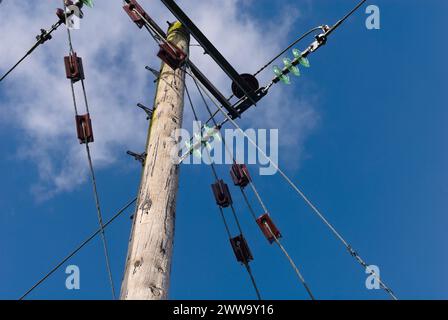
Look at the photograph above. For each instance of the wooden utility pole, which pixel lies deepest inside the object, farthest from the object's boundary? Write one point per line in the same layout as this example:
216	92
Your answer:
148	264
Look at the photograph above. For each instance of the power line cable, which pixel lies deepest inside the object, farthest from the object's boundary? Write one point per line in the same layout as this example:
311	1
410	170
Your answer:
287	48
307	201
348	15
77	249
43	37
301	278
320	40
91	169
251	210
246	263
282	248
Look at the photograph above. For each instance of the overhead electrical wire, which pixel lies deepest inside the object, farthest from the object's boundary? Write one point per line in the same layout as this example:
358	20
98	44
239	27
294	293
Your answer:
41	39
277	241
91	168
246	263
327	31
251	210
78	248
312	206
287	48
306	199
348	15
214	114
46	35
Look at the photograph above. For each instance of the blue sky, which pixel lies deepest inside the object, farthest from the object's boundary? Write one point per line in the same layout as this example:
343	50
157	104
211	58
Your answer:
374	161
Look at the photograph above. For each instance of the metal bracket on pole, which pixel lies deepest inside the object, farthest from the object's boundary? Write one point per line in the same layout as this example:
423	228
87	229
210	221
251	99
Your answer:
149	112
140	157
196	72
154	72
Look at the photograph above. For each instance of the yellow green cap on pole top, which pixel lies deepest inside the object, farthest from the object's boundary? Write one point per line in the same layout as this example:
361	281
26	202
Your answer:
176	27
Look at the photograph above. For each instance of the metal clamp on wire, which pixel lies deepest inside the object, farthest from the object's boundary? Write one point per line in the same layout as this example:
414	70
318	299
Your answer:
222	194
241	249
69	11
73	67
84	128
321	39
136	12
44	36
172	55
269	229
240	175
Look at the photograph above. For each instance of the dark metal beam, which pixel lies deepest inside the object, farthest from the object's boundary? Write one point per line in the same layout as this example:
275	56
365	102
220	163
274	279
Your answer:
209	48
212	89
202	78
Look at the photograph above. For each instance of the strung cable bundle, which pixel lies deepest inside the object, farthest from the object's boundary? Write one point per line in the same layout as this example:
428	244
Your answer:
319	214
241	178
224	200
75	73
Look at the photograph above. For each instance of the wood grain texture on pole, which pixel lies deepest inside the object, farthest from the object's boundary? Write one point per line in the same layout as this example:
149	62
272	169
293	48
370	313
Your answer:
148	264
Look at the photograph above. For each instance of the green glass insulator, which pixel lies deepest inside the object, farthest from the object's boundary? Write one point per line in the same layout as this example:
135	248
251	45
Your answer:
198	137
208	131
297	53
285	79
279	73
197	153
88	3
208	146
217	137
287	62
304	62
189	147
299	56
293	69
193	148
213	132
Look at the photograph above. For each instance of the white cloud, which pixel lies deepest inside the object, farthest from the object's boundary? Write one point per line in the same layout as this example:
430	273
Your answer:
37	96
